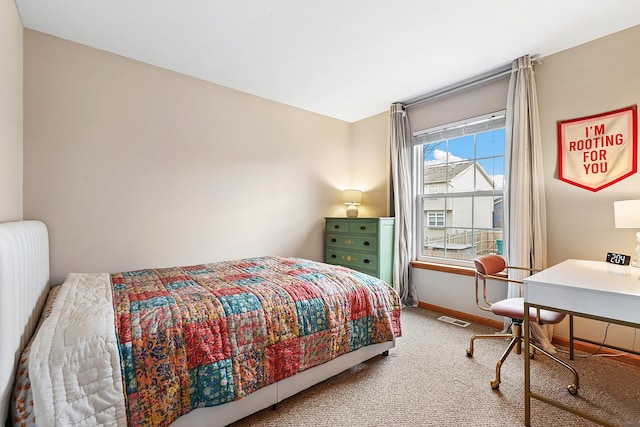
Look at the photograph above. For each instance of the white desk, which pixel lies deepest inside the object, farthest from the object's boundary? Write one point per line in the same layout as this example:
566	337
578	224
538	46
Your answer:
590	289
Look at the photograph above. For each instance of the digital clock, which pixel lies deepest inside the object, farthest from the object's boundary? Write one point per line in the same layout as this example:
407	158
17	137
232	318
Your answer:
618	259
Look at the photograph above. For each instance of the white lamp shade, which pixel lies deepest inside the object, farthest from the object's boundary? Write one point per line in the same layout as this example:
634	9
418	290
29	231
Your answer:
352	197
627	213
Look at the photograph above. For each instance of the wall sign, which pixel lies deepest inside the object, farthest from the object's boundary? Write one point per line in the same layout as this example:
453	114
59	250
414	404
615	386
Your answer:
595	152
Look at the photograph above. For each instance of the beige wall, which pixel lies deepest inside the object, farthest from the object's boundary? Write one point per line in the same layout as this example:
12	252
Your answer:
594	78
10	112
133	166
371	164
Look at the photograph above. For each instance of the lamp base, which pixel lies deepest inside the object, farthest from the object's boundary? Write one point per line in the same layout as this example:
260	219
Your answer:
352	211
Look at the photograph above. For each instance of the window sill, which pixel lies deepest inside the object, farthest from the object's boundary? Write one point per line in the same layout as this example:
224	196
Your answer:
445	268
448	268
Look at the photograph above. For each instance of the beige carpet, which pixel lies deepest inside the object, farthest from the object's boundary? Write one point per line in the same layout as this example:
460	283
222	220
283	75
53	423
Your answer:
427	380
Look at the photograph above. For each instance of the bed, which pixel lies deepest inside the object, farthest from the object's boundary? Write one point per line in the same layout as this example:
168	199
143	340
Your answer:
196	345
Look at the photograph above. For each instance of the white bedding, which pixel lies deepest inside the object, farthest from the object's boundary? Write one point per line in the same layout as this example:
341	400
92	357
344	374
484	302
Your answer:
74	363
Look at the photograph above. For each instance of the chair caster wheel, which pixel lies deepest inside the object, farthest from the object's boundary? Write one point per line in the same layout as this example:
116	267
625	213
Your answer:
572	389
469	353
495	384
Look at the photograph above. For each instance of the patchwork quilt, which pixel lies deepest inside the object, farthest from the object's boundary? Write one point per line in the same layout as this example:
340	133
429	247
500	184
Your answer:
208	334
145	347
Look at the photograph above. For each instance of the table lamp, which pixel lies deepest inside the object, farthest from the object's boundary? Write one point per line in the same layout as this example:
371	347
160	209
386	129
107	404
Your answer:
352	198
627	215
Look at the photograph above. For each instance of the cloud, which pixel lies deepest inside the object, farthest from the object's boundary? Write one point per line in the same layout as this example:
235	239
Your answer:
441	156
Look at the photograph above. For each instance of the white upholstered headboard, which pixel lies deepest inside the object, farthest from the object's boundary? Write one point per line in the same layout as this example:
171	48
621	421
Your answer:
24	283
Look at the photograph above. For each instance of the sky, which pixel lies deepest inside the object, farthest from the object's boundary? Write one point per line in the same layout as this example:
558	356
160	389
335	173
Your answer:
489	149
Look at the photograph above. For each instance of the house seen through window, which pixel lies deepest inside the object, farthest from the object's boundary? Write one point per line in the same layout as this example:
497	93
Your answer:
460	176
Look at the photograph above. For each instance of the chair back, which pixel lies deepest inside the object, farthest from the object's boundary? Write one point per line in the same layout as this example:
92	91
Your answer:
490	264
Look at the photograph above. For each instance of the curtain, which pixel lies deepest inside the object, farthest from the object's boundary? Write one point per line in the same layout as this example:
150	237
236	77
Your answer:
401	146
525	223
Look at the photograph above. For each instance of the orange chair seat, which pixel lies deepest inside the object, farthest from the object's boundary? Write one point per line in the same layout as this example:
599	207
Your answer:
514	308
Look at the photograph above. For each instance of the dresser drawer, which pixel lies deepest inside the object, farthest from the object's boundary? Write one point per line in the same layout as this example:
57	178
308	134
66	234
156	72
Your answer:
355	260
352	241
363	227
337	225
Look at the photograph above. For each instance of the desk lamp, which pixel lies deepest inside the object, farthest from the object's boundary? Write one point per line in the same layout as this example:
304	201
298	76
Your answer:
352	198
627	215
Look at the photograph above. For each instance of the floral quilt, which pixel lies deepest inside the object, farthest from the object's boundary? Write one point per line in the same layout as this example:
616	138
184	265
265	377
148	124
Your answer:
208	334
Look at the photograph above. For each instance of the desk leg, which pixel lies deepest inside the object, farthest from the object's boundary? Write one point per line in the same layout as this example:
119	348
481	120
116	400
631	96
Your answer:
527	372
571	336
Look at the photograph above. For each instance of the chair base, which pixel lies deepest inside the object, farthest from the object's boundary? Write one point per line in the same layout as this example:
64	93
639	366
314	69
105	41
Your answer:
516	342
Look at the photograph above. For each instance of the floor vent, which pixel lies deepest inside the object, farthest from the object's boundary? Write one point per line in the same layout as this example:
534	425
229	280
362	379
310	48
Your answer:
453	321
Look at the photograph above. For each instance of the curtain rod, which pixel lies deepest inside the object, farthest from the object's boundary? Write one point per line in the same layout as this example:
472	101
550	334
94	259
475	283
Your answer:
457	87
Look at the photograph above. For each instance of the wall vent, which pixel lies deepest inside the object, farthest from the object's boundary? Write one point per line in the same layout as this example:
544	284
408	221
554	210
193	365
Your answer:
454	321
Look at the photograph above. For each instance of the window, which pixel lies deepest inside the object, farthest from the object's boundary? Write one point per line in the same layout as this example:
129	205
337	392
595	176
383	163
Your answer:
459	178
435	218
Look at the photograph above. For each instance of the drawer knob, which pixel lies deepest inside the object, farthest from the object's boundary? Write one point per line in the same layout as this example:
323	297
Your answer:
333	240
366	261
362	227
333	256
336	226
367	243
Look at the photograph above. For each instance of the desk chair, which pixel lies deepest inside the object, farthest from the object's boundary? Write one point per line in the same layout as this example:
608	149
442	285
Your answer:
494	267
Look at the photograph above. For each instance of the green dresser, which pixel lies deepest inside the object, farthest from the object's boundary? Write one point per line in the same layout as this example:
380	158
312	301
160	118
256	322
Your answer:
364	244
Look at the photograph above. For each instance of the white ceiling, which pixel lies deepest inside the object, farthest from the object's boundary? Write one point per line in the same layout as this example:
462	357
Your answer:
347	59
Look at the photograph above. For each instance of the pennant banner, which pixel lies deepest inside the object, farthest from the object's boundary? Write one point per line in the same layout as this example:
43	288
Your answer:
597	151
